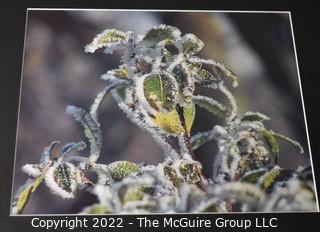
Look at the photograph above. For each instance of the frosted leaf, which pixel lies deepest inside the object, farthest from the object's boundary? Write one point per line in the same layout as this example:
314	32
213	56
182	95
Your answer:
121	169
23	194
191	44
138	119
189	113
185	81
169	122
211	105
287	139
119	73
253	176
71	149
161	92
232	101
91	130
295	196
201	138
46	155
205	78
101	95
253	116
272	143
172	175
111	39
191	171
243	192
160	33
218	70
62	180
275	175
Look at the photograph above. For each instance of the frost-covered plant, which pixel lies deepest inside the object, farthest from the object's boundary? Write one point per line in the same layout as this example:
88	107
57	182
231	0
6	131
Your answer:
154	86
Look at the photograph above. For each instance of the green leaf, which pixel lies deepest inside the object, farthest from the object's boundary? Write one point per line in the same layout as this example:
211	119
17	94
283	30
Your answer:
272	143
91	130
23	194
160	33
122	169
111	39
276	174
253	176
211	105
221	70
189	113
254	116
161	92
287	139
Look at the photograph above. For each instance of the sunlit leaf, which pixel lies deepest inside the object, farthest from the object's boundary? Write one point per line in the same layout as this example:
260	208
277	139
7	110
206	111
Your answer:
111	39
23	194
170	122
273	176
189	113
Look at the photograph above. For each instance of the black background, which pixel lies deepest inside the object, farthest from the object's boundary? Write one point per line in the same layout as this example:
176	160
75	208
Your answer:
12	24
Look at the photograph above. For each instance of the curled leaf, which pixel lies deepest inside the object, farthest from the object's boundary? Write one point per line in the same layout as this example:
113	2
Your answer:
211	105
91	130
287	139
272	143
160	33
102	94
201	138
191	44
63	179
254	116
111	39
253	176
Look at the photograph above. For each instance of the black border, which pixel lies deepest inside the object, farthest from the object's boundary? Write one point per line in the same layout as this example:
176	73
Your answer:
12	26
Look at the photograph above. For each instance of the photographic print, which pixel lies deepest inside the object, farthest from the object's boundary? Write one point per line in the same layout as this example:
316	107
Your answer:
147	111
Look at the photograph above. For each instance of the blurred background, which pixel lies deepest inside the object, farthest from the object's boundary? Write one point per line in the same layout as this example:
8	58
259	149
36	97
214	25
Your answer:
258	47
